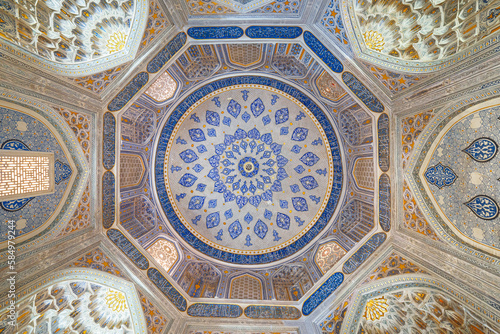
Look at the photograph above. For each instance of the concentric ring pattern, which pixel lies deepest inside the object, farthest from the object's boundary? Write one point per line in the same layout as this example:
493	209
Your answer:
245	170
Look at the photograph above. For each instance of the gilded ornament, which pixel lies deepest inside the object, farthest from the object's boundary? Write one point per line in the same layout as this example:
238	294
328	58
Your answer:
116	301
375	309
116	42
374	40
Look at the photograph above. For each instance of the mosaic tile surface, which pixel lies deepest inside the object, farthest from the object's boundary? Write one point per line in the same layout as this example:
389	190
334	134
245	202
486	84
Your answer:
164	252
97	259
323	292
249	168
333	322
36	136
97	82
393	265
249	174
208	7
328	255
96	47
467	190
329	88
395	82
246	287
281	7
363	253
333	23
82	215
155	321
81	126
412	127
163	88
413	218
157	22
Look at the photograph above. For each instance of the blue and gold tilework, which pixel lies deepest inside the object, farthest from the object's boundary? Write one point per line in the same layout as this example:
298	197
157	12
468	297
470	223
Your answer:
19	130
248	169
461	178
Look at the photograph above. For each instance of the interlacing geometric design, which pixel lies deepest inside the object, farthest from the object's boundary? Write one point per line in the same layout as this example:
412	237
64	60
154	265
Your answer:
394	265
246	287
413	217
412	127
164	252
328	255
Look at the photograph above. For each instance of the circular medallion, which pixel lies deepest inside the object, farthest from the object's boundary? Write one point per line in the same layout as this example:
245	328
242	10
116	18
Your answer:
250	172
248	167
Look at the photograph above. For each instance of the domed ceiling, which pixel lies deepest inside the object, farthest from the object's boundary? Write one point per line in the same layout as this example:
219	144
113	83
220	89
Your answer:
249	171
74	38
256	158
257	166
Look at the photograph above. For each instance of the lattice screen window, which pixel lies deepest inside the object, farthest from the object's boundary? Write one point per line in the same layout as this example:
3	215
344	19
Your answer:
25	174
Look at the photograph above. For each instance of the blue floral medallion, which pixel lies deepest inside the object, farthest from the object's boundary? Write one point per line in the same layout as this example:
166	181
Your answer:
482	149
264	177
15	144
248	167
440	176
15	204
484	207
62	171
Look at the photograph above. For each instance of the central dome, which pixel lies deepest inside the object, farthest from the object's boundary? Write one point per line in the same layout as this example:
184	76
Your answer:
248	170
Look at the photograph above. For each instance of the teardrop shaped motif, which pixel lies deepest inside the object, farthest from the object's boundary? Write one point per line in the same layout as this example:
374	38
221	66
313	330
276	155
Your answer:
257	107
15	204
484	207
482	149
234	108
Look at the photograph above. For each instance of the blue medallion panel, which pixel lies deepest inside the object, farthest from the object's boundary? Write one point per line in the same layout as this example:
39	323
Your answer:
363	93
384	191
15	144
215	32
62	171
482	149
273	32
167	289
457	180
128	248
384	153
363	253
167	53
253	184
323	292
108	140
440	176
214	310
323	53
484	207
108	199
127	93
272	312
15	204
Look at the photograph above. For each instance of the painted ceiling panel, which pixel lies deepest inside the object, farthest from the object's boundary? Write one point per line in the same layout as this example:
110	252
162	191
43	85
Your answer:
249	172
